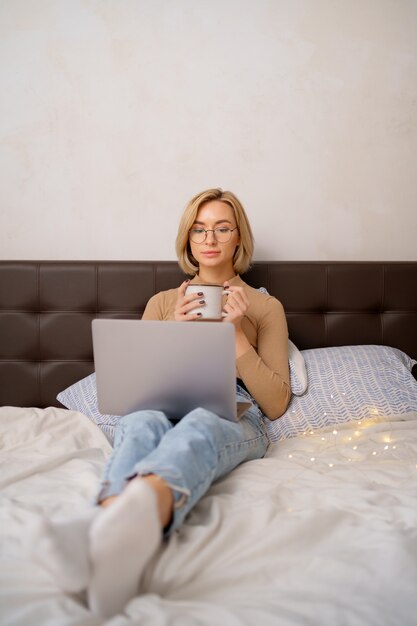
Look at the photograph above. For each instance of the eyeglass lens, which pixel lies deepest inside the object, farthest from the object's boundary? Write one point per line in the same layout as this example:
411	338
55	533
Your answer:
222	234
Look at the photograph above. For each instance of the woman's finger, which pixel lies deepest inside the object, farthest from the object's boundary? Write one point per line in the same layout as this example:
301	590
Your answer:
238	300
182	288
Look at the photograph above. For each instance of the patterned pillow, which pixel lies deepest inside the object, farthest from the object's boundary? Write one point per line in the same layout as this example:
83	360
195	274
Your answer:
349	383
298	370
82	397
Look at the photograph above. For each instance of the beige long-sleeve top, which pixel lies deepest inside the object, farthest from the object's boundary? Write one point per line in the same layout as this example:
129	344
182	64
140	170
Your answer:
264	367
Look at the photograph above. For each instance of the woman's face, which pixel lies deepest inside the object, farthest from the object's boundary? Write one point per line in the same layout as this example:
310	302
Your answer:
211	253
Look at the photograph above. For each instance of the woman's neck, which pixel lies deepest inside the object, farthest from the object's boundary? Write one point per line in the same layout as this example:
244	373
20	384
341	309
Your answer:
215	276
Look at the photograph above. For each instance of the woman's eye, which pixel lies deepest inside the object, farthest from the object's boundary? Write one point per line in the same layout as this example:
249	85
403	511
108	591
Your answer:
222	231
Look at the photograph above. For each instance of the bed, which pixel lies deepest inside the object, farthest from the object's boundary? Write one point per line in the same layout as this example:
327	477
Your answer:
322	531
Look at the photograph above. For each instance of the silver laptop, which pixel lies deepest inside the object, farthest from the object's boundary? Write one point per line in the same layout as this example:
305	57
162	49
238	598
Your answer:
173	367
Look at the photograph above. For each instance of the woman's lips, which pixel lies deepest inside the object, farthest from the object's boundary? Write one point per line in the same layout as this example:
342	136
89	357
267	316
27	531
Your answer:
211	253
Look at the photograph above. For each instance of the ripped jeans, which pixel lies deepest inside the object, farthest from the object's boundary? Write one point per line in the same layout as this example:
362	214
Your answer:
189	455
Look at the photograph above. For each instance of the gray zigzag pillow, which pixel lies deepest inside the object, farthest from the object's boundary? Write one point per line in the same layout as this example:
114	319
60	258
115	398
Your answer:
349	383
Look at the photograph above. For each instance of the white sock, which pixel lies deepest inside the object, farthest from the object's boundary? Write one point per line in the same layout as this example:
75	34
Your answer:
122	541
62	549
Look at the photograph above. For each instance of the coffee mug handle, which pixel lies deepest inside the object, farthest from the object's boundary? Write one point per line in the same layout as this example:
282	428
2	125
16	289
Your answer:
224	293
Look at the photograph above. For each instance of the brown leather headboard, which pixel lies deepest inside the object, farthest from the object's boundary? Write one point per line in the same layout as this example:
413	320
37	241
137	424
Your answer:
46	309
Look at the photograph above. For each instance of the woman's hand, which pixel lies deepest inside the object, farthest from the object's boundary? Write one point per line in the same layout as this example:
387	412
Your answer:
185	303
236	305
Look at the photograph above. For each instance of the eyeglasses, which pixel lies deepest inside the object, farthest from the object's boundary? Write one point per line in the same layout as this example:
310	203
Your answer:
221	234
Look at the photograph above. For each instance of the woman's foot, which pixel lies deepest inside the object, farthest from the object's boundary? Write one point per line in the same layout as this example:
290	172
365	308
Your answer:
61	548
123	539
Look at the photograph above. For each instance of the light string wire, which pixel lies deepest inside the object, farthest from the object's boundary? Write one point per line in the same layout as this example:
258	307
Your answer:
333	437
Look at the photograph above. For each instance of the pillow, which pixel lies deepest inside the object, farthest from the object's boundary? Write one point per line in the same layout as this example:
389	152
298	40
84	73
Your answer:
349	383
82	397
298	371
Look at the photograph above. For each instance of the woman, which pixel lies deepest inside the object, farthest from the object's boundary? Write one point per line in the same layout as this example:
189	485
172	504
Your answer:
158	469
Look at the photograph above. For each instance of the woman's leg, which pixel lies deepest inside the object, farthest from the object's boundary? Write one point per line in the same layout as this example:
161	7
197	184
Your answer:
136	436
201	449
129	531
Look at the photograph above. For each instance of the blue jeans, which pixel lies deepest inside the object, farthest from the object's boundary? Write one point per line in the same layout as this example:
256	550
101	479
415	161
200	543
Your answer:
189	455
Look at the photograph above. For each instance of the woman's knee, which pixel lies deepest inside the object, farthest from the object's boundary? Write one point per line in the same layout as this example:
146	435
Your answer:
209	426
201	419
154	420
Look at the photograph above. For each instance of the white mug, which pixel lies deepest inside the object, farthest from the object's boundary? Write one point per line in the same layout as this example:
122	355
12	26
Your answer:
213	302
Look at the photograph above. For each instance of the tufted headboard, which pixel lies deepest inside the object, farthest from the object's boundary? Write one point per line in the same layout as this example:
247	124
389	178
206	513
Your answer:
46	309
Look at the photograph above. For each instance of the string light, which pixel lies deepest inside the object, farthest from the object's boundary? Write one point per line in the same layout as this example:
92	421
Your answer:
384	443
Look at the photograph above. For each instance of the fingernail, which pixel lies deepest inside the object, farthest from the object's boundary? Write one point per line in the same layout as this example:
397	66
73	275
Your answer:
199	314
201	301
200	293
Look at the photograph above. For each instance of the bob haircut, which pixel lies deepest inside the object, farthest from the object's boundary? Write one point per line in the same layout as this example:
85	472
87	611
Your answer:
244	251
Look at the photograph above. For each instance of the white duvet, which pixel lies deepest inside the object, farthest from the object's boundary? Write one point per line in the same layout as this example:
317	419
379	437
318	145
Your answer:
323	531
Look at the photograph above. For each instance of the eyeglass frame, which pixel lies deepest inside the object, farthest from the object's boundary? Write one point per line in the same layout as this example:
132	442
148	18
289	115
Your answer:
212	230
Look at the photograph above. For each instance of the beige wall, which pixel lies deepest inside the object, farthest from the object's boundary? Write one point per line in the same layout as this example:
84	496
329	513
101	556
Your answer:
114	113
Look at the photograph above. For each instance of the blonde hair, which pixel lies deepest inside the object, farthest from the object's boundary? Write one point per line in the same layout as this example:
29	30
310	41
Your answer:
244	251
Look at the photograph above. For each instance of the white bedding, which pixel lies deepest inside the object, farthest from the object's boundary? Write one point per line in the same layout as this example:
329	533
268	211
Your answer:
317	533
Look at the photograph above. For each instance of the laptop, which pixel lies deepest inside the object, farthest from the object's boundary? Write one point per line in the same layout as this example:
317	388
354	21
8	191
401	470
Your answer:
173	367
